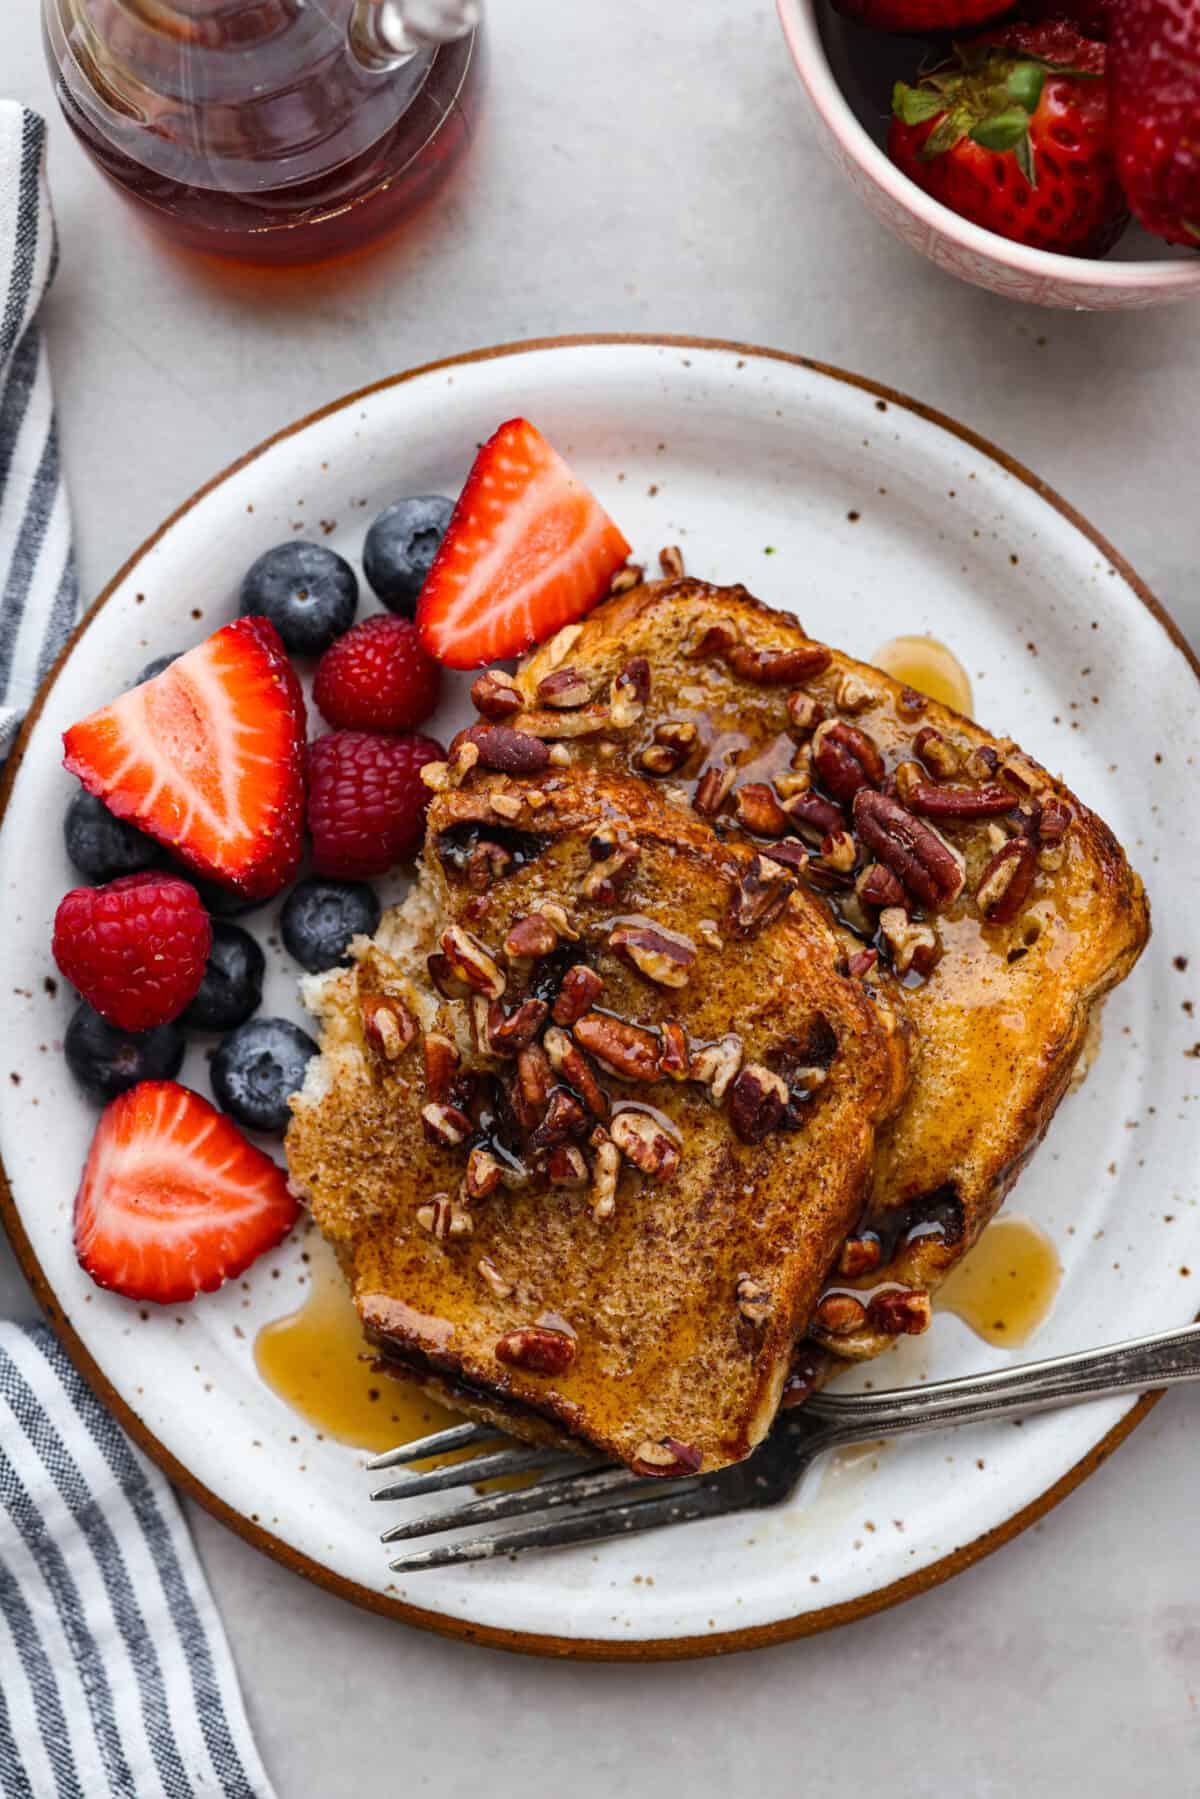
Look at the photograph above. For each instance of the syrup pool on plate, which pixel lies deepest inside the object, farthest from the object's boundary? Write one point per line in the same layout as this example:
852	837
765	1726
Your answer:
927	665
1005	1287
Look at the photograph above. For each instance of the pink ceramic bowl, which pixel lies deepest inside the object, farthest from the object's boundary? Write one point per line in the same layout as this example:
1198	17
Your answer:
847	73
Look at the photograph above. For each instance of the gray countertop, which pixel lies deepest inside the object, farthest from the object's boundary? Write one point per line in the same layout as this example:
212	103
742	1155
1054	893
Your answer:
652	168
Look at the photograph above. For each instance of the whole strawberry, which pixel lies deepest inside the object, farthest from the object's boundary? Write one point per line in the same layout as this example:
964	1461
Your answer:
136	950
923	16
1013	134
377	677
1154	80
366	801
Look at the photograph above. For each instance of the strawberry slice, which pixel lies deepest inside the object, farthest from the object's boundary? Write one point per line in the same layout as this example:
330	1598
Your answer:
527	549
208	757
173	1199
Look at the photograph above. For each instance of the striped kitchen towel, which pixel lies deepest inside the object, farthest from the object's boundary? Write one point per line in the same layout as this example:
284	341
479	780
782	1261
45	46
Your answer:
115	1676
39	585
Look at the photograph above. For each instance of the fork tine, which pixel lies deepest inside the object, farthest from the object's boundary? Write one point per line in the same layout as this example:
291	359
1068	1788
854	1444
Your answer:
469	1474
592	1527
545	1496
459	1436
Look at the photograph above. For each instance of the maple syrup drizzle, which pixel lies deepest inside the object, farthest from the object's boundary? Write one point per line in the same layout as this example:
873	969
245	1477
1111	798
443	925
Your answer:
318	1362
1005	1287
927	665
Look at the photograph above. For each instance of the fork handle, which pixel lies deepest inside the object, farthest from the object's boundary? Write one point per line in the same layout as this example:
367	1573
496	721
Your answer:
1166	1359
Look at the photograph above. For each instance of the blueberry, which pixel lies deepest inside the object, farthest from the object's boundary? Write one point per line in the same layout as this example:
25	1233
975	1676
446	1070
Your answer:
309	593
400	547
232	986
257	1067
156	668
103	846
105	1061
320	917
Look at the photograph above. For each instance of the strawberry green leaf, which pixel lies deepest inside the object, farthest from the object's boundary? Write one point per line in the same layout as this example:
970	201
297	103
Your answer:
946	133
913	105
1025	160
1024	85
1003	130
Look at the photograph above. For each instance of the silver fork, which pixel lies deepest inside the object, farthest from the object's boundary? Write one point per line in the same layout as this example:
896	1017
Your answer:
571	1487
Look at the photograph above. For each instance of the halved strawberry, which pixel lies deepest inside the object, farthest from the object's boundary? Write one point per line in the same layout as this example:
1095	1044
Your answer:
173	1199
208	757
527	550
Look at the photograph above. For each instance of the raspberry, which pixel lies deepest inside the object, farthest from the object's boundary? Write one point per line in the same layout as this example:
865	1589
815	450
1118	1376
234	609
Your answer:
366	801
136	949
377	677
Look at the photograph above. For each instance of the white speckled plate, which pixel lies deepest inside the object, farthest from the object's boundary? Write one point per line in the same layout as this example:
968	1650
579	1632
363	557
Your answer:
881	518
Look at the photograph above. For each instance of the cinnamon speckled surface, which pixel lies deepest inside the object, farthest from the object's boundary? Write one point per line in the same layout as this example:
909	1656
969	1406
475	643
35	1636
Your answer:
652	168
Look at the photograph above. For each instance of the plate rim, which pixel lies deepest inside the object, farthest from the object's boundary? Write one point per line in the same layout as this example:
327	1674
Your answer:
258	1536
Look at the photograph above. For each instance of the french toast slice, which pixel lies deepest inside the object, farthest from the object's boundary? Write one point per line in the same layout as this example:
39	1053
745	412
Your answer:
975	893
594	1112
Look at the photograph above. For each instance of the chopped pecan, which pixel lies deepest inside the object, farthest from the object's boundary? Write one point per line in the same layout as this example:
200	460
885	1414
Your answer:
666	1458
846	760
606	1170
754	1300
713	640
530	937
560	756
759	895
630	576
565	689
443	1218
548	725
674	1058
1004	885
564	1118
507	1034
759	811
911	945
569	1062
506	751
628	700
673	743
448	983
536	1350
664	957
777	668
900	1311
861	963
581	988
940	756
958	802
878	886
715	1064
644	1143
981	763
559	647
670	560
860	1255
924	865
712	790
814	817
487	863
910	702
483	1174
566	1166
804	713
506	805
558	920
445	1124
1054	821
495	695
388	1025
840	1314
470	962
790	853
756	1102
624	1049
441	1065
1023	773
904	780
493	1278
614	855
839	852
634	678
853	694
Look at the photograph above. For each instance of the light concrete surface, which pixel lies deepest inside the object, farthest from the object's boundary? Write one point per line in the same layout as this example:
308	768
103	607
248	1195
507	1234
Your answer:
651	168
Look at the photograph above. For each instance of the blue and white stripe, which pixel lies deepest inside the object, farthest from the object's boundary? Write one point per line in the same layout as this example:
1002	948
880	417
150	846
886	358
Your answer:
39	584
115	1675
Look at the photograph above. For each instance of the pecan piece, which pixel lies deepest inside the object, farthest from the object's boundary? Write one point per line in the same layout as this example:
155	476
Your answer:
981	763
494	694
483	1174
958	802
445	1124
900	1312
674	1058
804	713
753	1299
846	760
569	1062
670	560
470	962
533	1082
664	957
1004	885
565	689
606	1170
878	886
493	1278
840	1314
442	1219
530	937
504	750
713	640
790	853
839	852
712	790
536	1350
715	1064
581	988
631	575
487	863
441	973
630	691
853	694
756	1102
1054	821
814	817
911	945
623	1049
860	1255
777	668
613	856
759	895
939	755
564	1118
508	1034
441	1065
645	1144
911	702
924	865
388	1025
566	1166
759	811
665	1458
861	963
